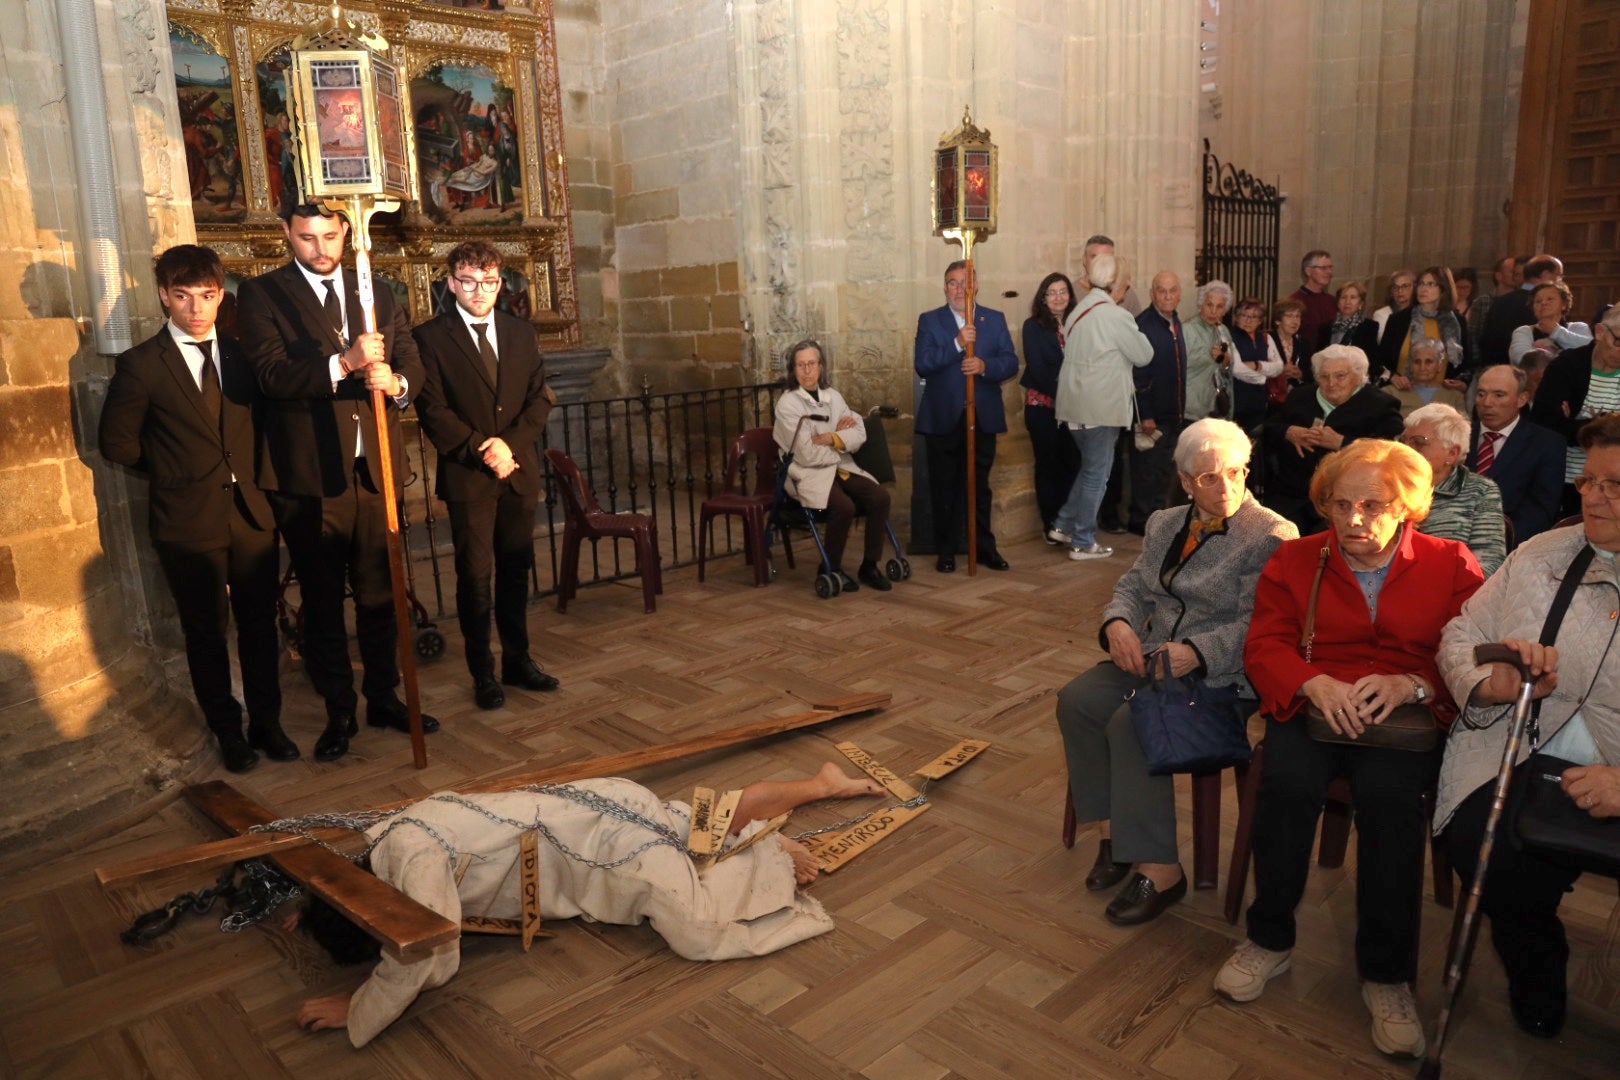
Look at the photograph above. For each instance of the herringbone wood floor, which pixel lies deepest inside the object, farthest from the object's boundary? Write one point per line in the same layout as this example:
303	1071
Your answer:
966	944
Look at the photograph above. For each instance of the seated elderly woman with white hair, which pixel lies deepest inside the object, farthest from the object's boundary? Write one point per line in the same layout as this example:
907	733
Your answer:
1319	417
1209	349
1187	596
1467	507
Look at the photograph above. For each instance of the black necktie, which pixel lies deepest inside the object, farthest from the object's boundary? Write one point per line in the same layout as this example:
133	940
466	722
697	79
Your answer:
212	399
334	310
486	350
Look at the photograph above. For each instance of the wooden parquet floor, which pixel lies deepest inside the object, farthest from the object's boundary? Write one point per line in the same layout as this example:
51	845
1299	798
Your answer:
966	944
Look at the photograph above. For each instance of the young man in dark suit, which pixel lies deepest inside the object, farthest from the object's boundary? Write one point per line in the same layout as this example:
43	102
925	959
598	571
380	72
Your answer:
484	406
304	331
180	409
940	358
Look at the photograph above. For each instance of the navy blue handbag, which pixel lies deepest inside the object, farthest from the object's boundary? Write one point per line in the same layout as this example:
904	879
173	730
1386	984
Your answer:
1185	725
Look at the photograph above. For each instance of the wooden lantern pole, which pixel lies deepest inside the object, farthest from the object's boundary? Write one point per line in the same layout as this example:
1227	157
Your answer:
360	208
970	415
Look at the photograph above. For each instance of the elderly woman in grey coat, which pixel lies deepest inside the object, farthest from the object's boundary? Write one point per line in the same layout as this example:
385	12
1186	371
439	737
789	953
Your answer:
1188	595
1578	687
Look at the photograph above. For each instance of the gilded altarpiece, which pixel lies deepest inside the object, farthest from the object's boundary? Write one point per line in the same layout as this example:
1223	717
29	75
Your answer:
480	88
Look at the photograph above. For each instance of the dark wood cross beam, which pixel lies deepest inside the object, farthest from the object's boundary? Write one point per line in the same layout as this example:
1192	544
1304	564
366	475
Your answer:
403	927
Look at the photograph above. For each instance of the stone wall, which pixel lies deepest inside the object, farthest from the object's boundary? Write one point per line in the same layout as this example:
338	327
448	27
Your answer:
1390	126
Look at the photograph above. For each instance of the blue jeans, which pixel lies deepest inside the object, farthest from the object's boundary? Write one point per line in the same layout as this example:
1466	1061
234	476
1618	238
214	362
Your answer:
1078	517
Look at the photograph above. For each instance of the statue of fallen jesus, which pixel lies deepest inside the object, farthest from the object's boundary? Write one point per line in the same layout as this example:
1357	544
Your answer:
609	851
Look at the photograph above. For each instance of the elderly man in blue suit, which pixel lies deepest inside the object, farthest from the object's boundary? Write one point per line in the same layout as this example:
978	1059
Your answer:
1524	459
941	360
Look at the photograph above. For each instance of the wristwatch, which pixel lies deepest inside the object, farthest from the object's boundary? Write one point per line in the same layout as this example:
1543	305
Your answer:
1421	691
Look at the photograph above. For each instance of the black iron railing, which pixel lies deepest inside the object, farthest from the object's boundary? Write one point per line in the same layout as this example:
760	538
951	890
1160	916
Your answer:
1242	222
657	454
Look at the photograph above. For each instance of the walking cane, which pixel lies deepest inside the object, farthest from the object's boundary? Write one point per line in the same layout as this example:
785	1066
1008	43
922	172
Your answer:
1462	946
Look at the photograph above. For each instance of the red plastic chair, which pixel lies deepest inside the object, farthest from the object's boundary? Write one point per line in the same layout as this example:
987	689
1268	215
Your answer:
585	520
753	507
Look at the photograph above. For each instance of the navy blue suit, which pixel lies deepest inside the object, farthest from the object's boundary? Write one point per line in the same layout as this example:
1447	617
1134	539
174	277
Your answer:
1161	396
1529	468
941	418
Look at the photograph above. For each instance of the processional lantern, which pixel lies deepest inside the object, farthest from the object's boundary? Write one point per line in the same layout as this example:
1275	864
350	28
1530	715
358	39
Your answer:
965	181
355	155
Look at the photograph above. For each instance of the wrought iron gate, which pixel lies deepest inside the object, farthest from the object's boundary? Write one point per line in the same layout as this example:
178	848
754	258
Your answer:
1242	215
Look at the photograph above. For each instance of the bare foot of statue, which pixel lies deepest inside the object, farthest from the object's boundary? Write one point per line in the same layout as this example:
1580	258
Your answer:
805	867
840	785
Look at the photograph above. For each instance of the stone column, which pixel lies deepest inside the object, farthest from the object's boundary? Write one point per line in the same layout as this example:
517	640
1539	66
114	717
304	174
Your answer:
90	730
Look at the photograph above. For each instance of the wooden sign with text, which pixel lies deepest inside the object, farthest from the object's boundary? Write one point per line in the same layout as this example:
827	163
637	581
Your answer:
953	759
833	850
896	786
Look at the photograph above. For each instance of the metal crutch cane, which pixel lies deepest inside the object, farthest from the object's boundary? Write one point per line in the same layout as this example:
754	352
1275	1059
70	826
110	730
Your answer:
1468	929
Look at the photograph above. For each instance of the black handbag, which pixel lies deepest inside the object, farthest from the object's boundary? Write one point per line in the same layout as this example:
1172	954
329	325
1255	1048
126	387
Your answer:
1407	727
1543	817
1186	725
1547	820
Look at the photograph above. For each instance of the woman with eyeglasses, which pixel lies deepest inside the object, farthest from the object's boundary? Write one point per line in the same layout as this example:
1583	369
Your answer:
1578	687
1252	364
1186	596
1287	347
1398	297
1467	507
1426	371
1431	316
1376	594
1056	459
1338	408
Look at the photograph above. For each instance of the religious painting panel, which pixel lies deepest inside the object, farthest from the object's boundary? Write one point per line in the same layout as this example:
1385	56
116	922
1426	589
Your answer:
208	112
469	161
275	120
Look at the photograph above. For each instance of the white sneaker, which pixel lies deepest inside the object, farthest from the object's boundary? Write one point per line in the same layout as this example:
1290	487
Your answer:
1395	1026
1056	537
1246	971
1095	551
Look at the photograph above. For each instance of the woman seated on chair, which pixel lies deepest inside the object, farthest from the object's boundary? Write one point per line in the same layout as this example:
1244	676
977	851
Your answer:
1346	623
1578	686
820	432
1187	596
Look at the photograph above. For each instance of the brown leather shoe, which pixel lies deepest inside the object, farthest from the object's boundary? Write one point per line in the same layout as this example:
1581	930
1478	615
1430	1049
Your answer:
1105	872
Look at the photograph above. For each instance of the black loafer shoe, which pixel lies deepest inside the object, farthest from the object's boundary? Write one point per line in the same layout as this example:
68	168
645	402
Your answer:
235	752
847	583
945	564
1537	1011
334	741
1105	872
527	674
994	561
1139	902
872	577
269	738
488	693
391	713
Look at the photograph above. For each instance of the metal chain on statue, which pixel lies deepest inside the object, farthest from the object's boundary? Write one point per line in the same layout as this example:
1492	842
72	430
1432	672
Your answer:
908	804
261	891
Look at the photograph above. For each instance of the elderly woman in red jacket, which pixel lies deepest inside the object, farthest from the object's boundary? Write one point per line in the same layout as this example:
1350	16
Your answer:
1386	591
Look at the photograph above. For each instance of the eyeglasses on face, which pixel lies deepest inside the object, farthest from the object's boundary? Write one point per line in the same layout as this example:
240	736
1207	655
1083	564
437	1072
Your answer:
1416	442
1609	489
1233	475
469	284
1367	508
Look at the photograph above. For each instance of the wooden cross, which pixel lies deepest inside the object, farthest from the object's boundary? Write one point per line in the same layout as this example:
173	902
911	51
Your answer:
403	927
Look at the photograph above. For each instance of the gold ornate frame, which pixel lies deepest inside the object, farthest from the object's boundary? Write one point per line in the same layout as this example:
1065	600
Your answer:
518	45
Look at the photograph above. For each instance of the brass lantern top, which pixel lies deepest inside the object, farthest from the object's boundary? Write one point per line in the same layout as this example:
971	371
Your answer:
351	115
966	179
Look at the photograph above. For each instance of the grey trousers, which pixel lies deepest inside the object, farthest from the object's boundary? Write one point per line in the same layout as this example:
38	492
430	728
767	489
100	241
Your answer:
1108	776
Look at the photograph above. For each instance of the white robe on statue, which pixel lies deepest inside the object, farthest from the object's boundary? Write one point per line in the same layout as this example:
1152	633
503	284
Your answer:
748	905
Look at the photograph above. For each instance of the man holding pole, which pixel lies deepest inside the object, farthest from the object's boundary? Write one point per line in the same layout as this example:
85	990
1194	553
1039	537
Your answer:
304	333
949	351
